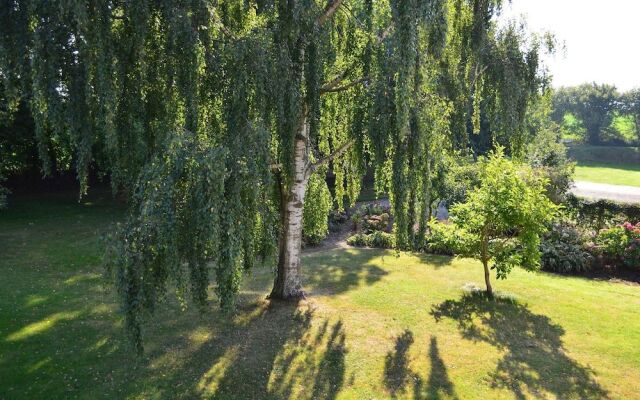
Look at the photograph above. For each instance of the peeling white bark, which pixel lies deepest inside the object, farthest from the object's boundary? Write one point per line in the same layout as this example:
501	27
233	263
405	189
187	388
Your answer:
288	283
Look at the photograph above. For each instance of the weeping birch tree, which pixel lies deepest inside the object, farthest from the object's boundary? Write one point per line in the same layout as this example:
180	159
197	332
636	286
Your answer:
220	119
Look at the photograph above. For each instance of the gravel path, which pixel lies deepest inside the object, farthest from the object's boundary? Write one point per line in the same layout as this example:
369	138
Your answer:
628	194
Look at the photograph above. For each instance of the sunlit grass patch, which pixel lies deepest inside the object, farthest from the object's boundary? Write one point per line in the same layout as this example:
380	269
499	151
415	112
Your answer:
613	174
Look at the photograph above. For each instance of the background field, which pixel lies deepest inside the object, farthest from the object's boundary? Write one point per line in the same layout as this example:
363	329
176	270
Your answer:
619	174
375	325
615	165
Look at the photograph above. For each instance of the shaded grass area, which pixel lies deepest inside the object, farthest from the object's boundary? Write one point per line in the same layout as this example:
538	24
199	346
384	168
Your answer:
376	325
618	174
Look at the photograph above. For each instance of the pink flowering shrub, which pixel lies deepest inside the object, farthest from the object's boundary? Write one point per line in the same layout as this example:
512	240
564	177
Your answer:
621	244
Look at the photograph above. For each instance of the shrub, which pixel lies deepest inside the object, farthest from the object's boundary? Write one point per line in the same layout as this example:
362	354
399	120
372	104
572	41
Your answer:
358	240
621	244
376	209
377	239
563	249
375	223
337	219
453	178
381	240
441	239
549	157
371	218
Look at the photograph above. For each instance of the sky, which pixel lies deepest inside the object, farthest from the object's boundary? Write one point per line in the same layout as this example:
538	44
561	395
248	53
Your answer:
602	38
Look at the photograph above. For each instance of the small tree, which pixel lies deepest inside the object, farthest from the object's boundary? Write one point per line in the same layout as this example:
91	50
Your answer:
502	220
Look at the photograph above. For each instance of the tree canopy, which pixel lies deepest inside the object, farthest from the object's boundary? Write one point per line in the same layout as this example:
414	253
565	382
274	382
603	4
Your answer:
502	219
593	103
220	118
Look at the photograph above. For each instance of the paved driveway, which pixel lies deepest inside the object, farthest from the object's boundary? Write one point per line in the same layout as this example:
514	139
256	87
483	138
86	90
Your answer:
627	194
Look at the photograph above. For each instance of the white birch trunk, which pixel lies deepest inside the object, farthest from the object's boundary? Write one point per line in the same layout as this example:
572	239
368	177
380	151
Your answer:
288	282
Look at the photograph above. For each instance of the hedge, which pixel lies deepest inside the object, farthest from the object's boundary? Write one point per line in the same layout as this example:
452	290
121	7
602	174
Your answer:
598	212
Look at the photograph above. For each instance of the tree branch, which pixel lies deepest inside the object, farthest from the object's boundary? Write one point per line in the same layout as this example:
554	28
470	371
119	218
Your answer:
325	160
328	12
335	81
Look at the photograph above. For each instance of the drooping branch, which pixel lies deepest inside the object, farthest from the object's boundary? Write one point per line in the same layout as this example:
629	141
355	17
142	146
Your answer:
328	12
325	160
223	28
332	85
331	88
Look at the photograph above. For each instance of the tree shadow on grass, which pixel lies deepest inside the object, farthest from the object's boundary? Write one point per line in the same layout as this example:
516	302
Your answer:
438	261
396	365
535	362
341	271
398	375
266	350
269	350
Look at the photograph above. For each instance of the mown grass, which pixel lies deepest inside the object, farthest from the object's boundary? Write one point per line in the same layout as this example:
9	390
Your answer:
618	174
375	325
616	165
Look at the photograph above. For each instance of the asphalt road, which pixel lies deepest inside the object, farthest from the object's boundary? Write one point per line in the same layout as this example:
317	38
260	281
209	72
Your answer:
627	194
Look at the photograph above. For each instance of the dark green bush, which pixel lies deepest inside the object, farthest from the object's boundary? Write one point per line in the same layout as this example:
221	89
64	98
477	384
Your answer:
373	223
336	220
564	249
602	213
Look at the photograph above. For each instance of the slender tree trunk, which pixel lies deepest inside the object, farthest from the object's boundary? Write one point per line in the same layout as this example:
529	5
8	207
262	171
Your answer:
288	282
487	277
485	264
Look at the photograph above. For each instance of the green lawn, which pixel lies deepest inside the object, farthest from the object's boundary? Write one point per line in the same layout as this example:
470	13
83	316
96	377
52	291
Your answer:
374	326
618	174
616	165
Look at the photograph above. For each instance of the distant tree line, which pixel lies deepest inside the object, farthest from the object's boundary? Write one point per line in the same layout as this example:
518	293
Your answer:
596	106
